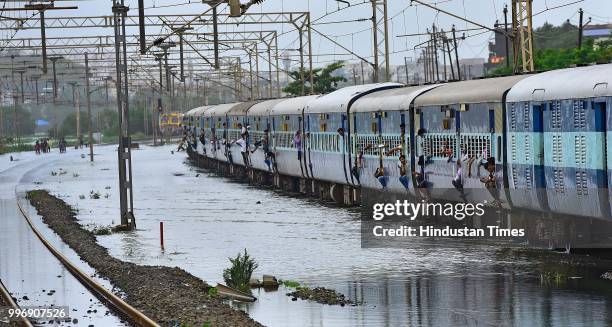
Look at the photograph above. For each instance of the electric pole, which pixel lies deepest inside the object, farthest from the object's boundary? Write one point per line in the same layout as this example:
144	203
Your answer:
506	36
91	154
124	152
580	27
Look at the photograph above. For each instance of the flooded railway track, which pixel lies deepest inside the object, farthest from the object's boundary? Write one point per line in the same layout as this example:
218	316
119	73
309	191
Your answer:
110	299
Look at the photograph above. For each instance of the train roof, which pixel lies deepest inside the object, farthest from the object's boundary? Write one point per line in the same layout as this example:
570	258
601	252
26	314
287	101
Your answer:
292	106
200	110
220	109
338	100
191	112
393	99
569	83
472	91
263	108
241	108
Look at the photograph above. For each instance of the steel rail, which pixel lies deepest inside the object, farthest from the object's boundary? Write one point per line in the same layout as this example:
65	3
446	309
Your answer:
8	300
100	291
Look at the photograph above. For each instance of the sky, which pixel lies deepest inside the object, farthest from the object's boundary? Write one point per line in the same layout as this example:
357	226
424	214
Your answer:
355	33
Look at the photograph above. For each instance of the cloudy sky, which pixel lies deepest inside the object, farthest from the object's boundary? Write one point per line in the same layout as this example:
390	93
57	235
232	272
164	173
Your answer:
349	28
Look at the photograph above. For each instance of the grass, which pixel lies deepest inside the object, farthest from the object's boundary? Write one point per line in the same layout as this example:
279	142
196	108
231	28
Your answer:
16	148
291	283
240	272
213	292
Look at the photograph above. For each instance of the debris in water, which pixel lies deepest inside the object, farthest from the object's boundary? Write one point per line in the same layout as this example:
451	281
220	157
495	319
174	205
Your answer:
107	188
607	275
94	195
320	295
82	197
179	174
75	175
258	202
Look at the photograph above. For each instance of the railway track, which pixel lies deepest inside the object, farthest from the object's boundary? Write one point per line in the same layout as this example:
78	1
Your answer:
8	301
104	295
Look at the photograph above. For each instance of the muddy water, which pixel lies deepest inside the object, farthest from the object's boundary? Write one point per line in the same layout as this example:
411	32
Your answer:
208	218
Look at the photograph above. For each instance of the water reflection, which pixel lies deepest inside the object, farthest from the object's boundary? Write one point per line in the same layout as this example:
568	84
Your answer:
208	219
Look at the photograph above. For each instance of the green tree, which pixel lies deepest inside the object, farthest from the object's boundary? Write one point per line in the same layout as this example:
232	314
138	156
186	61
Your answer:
324	80
68	126
25	121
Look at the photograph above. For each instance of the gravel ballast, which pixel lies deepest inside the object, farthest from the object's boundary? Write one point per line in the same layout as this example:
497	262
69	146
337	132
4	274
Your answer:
166	295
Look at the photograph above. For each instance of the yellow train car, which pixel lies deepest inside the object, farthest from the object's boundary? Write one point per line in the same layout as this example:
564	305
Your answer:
171	123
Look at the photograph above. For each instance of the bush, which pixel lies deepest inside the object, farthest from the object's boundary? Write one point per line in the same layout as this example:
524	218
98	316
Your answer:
239	274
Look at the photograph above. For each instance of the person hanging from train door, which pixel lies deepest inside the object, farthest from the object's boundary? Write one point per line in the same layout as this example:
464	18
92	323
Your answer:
490	182
243	149
203	141
297	143
458	181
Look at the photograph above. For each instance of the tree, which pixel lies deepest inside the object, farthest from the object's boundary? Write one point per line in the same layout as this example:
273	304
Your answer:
324	80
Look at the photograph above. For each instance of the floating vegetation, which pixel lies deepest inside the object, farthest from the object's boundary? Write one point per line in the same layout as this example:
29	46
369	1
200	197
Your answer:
290	283
94	195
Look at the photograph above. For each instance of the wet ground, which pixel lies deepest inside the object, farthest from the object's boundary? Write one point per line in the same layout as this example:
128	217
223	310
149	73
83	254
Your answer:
27	268
208	219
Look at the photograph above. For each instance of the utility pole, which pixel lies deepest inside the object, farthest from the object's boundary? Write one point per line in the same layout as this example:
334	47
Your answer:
76	102
21	72
450	57
36	78
580	28
456	54
435	52
124	152
506	36
406	69
91	154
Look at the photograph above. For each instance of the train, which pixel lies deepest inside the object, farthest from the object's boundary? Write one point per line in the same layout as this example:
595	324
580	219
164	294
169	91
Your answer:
543	136
171	123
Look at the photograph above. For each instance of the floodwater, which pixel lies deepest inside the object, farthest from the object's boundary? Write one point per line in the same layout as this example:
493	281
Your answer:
208	219
27	269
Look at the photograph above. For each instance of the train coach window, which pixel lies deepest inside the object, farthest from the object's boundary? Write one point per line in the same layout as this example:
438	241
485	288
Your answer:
499	147
464	107
323	127
374	128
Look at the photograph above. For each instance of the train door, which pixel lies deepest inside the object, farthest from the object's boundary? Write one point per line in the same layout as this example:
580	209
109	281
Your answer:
308	139
601	126
539	175
303	161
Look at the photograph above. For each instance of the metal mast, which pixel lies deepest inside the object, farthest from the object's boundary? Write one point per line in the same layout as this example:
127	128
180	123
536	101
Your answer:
124	152
381	43
523	31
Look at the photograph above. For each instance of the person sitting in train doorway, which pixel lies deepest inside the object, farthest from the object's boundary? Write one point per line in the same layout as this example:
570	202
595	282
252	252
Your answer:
380	176
490	182
402	166
181	146
297	143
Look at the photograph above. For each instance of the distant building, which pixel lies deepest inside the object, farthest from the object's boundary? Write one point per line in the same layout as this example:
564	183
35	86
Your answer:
497	50
472	68
600	32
